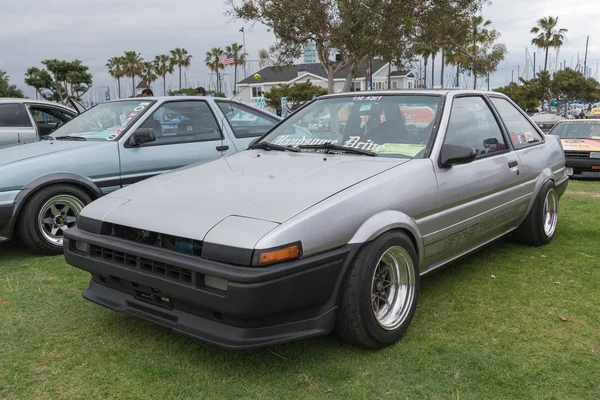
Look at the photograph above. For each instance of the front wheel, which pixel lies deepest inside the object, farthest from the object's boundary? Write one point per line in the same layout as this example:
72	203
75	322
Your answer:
379	298
48	214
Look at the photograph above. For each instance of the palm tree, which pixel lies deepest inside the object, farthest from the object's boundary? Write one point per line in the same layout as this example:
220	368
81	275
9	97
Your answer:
181	58
479	34
548	36
148	74
133	66
239	58
116	69
163	66
214	64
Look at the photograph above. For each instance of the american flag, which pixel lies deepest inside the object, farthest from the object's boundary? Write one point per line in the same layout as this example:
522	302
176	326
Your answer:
226	59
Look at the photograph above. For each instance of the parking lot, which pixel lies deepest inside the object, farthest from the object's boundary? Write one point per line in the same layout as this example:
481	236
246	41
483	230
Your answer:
507	322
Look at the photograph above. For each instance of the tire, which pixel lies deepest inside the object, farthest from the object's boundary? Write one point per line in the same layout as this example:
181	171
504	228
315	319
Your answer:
356	320
44	206
539	227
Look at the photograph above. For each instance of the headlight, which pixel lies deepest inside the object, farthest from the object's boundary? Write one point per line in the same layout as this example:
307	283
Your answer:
595	154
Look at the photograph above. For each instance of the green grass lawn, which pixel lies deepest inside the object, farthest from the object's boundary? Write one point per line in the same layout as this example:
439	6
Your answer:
509	322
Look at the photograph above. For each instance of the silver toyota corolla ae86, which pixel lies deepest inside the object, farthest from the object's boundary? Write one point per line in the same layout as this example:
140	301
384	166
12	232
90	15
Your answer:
325	223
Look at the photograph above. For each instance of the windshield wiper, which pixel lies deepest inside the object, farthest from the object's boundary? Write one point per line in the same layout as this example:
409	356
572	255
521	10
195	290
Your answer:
80	138
271	146
330	147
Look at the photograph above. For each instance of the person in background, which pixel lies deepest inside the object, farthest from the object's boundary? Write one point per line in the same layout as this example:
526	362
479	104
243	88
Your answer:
147	93
200	91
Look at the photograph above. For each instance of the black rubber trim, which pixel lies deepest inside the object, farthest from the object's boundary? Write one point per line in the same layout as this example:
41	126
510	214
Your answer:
227	254
584	163
6	212
89	225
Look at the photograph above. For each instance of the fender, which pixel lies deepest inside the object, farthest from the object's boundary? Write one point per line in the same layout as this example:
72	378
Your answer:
544	176
386	221
49	179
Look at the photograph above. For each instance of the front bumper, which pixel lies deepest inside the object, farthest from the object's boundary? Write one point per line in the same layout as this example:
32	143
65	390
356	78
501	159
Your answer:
585	168
6	222
256	307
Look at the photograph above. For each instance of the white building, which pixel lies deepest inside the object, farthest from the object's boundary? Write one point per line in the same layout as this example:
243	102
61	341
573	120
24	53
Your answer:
250	89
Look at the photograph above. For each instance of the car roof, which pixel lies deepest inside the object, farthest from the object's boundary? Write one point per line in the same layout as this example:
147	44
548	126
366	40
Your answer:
429	92
32	101
171	98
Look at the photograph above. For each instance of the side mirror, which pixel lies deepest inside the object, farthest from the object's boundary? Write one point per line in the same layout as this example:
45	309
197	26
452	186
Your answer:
141	136
456	155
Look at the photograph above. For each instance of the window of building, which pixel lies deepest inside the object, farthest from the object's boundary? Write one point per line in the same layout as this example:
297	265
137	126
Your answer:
394	85
257	91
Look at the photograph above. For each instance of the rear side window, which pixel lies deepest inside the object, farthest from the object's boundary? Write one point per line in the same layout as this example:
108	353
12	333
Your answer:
12	115
245	122
520	130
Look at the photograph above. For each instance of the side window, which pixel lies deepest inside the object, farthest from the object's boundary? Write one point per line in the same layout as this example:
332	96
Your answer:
244	121
473	124
183	122
12	115
522	133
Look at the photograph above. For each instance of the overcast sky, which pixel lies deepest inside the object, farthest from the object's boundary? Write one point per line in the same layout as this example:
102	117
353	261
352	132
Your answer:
94	30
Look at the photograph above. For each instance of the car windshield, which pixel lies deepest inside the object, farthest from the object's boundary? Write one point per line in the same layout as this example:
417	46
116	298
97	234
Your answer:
106	121
578	130
389	126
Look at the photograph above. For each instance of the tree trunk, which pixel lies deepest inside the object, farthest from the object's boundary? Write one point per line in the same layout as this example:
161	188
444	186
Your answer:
330	82
350	77
425	62
458	75
133	84
474	81
389	81
180	77
546	61
234	79
432	70
442	73
119	86
164	85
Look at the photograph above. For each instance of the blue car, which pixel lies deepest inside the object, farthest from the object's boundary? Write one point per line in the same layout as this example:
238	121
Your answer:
44	185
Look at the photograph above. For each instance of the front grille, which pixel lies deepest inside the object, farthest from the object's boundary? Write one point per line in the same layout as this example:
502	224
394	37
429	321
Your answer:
577	154
171	272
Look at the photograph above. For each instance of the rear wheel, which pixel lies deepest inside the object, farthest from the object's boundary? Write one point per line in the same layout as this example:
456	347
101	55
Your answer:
540	225
379	298
48	214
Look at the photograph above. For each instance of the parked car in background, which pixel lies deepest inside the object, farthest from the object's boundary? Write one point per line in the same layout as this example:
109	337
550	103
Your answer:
311	231
44	185
26	120
581	142
594	113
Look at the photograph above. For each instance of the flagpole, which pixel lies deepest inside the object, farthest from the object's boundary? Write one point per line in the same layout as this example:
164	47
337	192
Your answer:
244	50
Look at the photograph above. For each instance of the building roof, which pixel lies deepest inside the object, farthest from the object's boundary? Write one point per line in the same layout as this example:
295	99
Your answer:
142	85
286	74
400	73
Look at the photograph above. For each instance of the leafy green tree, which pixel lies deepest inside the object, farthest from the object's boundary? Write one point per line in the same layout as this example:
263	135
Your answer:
571	85
520	94
162	67
116	69
214	63
296	94
134	64
548	36
181	59
6	89
239	59
60	80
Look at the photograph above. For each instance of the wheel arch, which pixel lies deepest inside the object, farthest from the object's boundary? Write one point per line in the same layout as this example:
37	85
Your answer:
44	181
545	176
387	221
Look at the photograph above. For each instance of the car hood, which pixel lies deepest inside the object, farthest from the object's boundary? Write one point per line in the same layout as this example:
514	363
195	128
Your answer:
581	144
269	186
22	152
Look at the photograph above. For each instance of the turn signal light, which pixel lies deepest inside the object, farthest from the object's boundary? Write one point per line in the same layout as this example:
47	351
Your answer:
272	256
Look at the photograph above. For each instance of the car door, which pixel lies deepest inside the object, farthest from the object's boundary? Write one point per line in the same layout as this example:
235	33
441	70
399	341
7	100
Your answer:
15	125
481	200
186	132
526	140
245	122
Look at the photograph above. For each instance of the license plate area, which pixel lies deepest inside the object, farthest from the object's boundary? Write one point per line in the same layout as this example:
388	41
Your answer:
146	294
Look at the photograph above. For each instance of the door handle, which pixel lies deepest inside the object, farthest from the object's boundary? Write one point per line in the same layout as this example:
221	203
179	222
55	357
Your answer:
512	164
222	148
